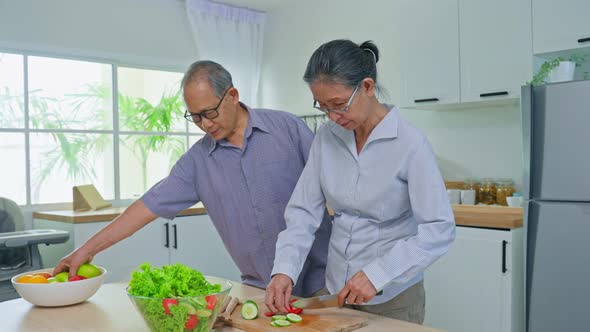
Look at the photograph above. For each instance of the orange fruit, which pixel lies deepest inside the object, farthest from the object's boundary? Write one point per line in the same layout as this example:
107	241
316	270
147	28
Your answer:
46	275
25	278
37	279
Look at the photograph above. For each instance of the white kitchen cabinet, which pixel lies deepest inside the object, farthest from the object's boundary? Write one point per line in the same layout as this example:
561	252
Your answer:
194	241
560	25
429	52
190	240
462	51
479	284
495	48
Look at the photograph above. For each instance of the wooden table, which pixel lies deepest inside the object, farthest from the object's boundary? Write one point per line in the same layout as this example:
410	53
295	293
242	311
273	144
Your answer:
111	310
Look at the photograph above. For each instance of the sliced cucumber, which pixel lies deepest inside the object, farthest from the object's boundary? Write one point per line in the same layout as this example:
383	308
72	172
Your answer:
279	317
281	323
273	324
249	310
189	308
294	318
203	313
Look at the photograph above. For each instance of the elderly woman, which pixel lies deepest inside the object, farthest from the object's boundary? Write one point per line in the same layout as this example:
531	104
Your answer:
392	217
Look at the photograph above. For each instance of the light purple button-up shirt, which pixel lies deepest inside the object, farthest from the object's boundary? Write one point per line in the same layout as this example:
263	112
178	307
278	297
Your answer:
245	193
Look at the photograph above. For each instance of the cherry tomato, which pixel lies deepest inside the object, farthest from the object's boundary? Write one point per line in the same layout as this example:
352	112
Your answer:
166	303
191	322
211	301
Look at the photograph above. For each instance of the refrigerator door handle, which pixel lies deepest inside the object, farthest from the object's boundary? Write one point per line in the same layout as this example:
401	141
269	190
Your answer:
504	243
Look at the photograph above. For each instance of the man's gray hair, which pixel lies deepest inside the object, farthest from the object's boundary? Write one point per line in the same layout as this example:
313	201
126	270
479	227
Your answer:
218	77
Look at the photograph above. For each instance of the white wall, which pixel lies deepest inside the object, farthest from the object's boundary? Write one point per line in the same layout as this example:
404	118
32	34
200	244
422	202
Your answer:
153	33
483	142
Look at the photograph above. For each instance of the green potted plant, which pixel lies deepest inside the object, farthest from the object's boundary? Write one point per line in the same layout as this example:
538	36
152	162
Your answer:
559	69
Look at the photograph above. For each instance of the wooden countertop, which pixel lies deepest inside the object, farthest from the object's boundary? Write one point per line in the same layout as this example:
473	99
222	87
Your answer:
465	215
488	216
100	215
111	310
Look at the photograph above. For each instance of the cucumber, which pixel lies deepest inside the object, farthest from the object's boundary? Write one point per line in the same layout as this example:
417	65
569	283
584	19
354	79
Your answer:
281	323
249	310
294	318
189	308
203	313
279	317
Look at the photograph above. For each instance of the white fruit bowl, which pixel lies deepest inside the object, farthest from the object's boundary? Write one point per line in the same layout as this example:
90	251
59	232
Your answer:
58	293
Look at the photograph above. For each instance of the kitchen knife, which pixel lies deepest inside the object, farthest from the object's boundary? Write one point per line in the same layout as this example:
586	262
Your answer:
316	302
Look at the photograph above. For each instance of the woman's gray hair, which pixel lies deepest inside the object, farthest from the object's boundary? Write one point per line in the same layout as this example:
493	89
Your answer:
343	61
218	77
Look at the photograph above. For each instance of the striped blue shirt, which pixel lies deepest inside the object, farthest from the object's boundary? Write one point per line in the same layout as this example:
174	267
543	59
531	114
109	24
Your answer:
245	192
392	217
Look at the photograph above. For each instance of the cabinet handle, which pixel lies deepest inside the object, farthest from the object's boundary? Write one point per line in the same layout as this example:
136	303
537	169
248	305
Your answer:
175	246
504	243
167	244
584	40
492	94
425	100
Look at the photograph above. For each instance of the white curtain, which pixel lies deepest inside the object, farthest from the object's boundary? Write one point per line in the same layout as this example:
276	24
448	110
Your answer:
232	37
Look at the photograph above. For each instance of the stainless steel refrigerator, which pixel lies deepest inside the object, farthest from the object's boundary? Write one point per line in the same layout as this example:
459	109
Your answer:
556	143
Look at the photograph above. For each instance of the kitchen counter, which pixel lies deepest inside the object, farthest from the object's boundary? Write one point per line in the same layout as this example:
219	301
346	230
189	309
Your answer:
111	310
465	215
101	215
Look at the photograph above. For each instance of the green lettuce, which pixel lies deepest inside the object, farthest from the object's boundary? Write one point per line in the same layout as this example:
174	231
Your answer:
175	280
154	284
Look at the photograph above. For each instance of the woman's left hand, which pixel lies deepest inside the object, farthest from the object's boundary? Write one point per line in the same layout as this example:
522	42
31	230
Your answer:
358	290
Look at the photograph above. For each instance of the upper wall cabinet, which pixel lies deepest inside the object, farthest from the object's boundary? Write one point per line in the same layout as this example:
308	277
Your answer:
560	25
429	52
456	51
495	48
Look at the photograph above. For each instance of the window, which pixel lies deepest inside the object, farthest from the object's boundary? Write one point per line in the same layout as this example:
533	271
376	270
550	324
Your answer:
65	128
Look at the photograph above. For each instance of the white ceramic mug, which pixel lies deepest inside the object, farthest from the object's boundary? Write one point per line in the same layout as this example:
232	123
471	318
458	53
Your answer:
468	197
454	196
514	201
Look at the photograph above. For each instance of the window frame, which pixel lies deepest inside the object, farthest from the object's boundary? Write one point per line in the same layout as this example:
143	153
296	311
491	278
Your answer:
115	133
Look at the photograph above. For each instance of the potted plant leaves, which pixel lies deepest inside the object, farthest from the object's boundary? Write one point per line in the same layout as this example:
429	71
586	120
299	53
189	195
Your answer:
559	69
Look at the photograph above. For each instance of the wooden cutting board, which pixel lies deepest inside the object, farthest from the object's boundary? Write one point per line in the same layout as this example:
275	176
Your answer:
314	320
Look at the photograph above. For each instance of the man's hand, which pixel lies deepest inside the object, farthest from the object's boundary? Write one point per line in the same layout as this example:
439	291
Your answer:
358	290
72	261
278	293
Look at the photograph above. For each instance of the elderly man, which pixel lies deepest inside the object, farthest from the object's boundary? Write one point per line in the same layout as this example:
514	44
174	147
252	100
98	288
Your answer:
244	171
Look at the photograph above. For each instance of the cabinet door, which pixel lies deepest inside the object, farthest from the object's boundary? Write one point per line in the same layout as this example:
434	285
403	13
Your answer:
496	50
194	241
560	25
467	289
145	245
429	52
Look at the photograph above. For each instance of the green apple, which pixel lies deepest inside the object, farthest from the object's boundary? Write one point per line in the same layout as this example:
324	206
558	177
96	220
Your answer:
51	280
62	276
88	270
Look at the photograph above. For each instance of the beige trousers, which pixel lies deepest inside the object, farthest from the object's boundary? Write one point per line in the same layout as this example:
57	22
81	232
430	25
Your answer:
407	306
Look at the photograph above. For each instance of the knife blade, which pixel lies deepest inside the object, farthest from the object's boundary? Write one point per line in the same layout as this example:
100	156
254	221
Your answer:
317	302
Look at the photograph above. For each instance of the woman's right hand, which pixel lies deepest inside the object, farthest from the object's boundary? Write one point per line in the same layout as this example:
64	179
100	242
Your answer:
278	293
72	261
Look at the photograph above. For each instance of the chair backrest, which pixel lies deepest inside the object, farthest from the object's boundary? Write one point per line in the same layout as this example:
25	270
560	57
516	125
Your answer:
11	216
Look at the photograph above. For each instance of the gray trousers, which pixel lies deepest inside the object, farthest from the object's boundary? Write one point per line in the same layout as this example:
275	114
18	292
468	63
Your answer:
407	306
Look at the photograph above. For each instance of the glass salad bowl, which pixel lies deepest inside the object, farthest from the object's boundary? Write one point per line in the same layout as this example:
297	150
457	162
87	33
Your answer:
197	313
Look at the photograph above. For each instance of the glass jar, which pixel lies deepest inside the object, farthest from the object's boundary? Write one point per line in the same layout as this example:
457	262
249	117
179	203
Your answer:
472	184
505	188
487	192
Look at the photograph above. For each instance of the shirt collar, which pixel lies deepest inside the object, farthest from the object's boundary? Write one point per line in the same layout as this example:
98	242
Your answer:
254	121
387	128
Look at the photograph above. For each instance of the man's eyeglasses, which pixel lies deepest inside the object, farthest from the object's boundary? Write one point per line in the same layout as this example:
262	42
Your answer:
316	105
209	114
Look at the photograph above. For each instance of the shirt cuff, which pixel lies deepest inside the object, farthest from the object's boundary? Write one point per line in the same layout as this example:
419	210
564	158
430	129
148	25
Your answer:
377	274
285	269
